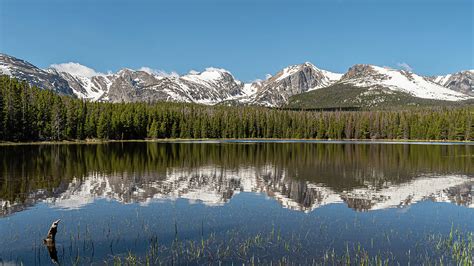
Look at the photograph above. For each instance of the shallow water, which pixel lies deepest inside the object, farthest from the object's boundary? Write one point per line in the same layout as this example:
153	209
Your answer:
113	198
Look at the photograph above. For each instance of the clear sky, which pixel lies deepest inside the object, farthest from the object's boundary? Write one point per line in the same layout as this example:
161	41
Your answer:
249	38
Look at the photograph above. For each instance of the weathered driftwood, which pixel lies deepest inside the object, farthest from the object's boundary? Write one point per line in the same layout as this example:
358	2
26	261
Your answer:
50	242
51	237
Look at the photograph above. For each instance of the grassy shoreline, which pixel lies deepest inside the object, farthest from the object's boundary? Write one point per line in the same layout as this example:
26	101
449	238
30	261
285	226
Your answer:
197	140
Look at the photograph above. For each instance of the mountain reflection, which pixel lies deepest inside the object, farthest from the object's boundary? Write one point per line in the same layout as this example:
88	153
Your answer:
301	176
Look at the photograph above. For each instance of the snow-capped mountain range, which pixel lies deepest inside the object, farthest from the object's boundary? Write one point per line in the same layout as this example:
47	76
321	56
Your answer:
219	86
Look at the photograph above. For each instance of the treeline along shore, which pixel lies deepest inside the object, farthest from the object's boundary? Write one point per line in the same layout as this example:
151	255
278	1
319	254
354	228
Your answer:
32	114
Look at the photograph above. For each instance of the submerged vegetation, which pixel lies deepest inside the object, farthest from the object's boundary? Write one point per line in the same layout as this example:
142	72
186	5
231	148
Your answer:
271	248
261	248
266	247
32	114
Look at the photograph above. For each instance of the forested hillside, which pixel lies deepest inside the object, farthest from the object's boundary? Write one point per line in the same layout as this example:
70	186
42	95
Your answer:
346	95
32	114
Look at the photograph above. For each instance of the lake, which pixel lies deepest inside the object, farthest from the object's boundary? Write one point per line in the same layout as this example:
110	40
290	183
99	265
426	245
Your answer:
237	201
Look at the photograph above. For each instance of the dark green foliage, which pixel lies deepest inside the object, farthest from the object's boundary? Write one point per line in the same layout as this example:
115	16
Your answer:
32	114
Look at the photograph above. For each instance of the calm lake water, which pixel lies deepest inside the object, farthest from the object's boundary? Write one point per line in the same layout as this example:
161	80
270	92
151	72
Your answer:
304	199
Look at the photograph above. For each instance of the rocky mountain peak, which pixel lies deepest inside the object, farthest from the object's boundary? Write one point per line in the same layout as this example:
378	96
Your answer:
360	71
128	73
292	80
305	68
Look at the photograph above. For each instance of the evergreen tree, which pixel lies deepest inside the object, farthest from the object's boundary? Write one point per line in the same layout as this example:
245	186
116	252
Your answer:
153	130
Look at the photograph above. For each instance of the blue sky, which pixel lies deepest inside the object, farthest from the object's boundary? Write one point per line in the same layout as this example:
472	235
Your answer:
249	38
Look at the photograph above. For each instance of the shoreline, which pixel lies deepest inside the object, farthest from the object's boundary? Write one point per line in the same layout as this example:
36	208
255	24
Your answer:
246	140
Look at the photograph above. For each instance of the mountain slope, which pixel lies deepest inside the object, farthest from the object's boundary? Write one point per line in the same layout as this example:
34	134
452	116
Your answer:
92	88
461	81
23	70
369	76
347	96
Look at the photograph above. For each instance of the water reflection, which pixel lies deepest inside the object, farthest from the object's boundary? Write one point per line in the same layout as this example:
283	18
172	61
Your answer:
301	176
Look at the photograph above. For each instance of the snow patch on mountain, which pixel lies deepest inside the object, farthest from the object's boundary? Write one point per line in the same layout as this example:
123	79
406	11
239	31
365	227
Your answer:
331	76
210	75
249	89
4	69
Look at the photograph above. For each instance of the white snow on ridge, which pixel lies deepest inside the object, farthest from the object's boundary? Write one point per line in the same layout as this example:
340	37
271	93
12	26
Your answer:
333	77
288	71
442	79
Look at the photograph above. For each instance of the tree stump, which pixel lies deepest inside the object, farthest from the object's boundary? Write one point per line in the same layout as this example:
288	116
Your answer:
50	242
